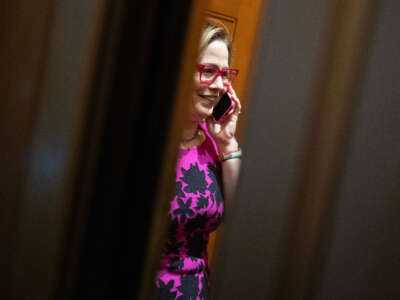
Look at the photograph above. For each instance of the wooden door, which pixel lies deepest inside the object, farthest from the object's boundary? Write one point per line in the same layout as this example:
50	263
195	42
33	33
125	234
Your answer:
241	19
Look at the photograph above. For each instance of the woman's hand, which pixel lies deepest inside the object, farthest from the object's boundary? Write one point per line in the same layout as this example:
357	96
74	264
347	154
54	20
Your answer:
223	133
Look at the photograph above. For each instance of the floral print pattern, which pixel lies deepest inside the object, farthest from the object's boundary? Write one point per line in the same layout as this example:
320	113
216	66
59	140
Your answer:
196	210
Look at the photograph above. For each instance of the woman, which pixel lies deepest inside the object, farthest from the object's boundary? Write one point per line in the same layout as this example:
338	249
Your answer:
207	168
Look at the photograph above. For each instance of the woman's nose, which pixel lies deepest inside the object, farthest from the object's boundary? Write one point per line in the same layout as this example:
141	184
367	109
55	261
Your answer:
218	83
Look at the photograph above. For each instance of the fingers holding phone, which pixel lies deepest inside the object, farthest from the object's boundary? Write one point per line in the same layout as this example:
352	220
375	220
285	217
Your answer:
222	123
238	106
229	104
223	108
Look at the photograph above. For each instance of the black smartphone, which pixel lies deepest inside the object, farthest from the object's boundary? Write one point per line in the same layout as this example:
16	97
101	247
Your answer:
223	107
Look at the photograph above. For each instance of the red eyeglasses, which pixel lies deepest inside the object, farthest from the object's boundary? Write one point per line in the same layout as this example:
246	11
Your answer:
209	73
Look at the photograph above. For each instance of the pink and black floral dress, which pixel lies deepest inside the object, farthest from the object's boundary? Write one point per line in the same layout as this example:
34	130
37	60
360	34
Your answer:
196	210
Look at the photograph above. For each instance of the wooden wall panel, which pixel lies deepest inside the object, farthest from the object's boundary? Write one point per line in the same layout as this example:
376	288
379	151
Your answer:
227	20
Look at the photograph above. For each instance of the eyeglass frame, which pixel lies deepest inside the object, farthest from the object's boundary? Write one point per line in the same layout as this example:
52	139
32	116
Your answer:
219	73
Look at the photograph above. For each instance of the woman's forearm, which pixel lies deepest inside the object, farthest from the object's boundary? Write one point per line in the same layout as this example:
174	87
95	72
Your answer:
230	174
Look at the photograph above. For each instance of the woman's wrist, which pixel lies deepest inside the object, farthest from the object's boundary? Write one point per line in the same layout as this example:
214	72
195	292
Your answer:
231	147
231	155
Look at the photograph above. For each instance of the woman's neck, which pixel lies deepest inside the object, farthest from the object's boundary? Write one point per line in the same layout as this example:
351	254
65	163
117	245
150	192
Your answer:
189	130
191	135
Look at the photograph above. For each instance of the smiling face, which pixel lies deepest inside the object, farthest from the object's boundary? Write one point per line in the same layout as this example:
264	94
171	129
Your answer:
205	97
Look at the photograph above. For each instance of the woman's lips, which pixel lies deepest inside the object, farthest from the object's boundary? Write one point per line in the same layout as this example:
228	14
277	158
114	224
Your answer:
210	98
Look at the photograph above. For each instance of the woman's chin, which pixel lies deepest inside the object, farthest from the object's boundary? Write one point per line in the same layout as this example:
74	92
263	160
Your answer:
201	109
202	115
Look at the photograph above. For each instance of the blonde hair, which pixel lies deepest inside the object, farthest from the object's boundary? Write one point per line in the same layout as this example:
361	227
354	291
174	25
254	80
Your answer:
213	31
